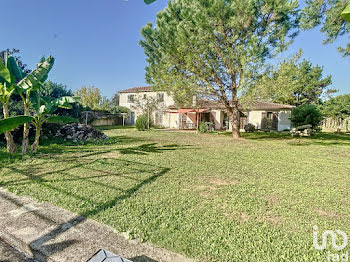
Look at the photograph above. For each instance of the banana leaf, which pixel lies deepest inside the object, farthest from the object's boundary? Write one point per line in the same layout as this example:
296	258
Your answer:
346	13
61	119
15	70
11	123
36	76
149	1
4	73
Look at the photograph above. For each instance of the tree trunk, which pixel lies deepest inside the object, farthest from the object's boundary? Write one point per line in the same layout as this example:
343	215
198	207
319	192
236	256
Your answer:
25	141
234	119
10	143
35	145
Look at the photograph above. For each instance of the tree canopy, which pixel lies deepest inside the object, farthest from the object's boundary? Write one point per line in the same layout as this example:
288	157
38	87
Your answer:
216	48
90	96
327	13
293	83
337	107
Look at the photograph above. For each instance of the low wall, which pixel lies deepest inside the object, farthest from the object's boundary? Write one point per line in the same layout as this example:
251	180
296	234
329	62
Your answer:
108	121
330	124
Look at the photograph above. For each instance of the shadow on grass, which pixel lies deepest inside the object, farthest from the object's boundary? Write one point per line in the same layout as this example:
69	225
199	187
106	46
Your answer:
102	128
133	171
317	139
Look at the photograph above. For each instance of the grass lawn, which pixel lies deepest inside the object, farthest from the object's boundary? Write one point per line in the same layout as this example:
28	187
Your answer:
205	196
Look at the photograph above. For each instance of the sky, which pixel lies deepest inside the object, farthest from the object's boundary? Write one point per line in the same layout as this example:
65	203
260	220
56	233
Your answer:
96	42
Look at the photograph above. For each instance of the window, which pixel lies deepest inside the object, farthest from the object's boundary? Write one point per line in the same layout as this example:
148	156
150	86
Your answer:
131	98
160	97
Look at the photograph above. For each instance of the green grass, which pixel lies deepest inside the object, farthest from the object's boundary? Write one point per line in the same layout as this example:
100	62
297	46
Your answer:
206	196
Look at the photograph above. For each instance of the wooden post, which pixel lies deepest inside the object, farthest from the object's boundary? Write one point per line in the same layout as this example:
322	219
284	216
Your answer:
86	118
198	119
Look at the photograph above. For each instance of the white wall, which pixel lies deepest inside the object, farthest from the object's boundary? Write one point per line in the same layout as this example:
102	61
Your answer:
254	118
283	120
123	101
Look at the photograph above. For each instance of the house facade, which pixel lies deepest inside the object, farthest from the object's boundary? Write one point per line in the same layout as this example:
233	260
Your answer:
263	115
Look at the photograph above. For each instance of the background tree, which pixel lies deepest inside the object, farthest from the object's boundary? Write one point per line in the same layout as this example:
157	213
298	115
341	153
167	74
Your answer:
327	13
216	48
90	96
293	83
14	53
148	106
337	108
57	90
115	100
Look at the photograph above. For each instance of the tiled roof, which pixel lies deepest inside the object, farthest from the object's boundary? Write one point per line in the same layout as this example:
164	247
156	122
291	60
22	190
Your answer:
137	89
211	104
267	106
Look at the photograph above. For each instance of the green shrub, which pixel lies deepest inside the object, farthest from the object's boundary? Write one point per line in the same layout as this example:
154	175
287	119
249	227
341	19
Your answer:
142	123
306	114
203	128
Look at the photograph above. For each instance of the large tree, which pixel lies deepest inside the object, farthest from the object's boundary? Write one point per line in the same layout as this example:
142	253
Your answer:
293	83
215	48
327	13
90	96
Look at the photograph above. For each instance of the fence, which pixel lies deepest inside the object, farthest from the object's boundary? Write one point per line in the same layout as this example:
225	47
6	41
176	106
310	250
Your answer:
330	124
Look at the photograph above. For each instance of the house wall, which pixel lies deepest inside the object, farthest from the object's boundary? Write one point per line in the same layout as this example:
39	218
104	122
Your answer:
255	117
123	101
283	120
218	119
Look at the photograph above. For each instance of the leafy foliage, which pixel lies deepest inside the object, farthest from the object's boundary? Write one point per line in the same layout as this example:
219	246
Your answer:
90	96
293	83
13	122
306	114
203	128
14	52
216	48
327	13
337	107
143	122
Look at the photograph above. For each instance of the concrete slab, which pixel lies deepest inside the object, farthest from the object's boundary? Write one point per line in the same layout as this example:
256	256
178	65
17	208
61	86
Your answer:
9	254
48	233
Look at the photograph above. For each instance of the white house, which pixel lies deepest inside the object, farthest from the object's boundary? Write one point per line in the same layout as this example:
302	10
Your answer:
263	115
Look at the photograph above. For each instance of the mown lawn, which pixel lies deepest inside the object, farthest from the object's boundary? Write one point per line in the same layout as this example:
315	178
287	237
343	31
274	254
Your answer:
206	196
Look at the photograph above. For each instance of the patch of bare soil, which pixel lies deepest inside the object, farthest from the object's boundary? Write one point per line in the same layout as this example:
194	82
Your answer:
325	213
271	218
272	199
221	182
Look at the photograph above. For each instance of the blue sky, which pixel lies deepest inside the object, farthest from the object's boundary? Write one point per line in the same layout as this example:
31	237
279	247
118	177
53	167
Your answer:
95	42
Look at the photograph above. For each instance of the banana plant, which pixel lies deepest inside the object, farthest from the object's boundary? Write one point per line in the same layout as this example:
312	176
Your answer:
44	108
13	79
9	76
28	84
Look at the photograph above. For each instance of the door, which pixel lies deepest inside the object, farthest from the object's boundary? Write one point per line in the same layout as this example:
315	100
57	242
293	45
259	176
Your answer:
269	121
132	118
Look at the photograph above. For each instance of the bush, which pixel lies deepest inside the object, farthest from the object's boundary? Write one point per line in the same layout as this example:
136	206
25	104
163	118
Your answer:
306	114
203	128
142	122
